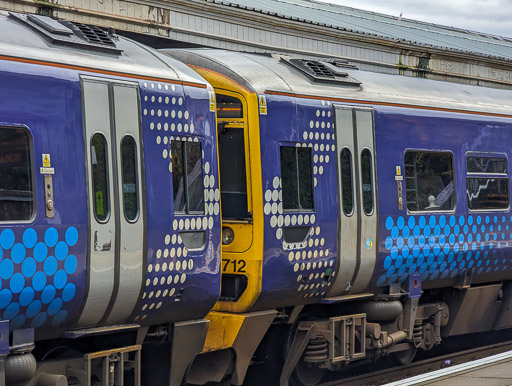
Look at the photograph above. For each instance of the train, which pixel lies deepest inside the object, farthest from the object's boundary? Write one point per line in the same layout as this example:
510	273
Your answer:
173	216
367	215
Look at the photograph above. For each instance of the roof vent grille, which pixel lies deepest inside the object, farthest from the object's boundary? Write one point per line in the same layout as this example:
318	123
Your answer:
322	71
319	69
94	34
66	33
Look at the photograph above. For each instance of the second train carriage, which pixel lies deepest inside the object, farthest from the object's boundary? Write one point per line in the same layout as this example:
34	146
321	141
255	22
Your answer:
363	214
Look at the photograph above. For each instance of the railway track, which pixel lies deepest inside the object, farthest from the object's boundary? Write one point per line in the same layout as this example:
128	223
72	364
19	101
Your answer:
395	374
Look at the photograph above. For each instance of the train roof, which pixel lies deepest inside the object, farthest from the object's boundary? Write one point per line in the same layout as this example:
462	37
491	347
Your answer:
39	39
381	26
335	80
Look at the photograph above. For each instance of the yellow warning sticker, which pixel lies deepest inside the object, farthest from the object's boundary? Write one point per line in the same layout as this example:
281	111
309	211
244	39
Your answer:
398	170
46	161
263	104
212	100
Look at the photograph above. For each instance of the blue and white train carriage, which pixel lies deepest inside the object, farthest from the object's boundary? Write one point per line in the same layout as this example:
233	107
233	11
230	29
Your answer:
109	207
379	211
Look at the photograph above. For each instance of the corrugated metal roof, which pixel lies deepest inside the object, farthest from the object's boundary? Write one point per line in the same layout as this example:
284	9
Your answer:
381	26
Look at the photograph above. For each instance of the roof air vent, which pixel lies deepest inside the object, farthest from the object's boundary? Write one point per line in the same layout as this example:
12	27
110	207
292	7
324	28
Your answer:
94	34
321	71
77	35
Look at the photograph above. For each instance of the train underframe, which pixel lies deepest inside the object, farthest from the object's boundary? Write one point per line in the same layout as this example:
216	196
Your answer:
128	355
304	342
298	345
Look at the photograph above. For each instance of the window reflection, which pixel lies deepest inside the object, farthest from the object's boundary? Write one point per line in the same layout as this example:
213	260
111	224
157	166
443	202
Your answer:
429	181
187	177
100	177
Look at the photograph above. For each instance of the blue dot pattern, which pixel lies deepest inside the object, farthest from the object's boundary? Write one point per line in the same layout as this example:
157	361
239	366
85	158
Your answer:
34	272
443	247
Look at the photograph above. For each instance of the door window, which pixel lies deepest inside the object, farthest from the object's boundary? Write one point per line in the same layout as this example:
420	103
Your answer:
129	174
347	190
233	180
100	181
367	181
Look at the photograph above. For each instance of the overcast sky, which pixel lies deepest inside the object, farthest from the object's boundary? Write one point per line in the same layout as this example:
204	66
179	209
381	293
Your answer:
491	16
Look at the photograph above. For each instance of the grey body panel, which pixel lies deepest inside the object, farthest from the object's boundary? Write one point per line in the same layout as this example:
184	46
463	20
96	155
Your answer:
115	262
348	234
368	221
126	111
357	232
101	234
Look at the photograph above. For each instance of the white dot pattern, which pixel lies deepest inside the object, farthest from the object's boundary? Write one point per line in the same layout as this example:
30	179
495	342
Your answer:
311	258
170	263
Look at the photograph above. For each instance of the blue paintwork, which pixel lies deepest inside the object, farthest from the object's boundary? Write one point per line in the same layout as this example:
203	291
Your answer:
439	246
177	293
43	263
286	272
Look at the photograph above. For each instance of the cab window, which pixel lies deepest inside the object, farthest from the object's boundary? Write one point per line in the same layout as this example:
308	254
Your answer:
187	177
297	181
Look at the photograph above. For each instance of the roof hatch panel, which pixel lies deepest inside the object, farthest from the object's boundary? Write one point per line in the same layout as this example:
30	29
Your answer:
321	71
68	33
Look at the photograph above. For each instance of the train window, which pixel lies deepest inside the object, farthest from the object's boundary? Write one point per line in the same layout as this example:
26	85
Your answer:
487	165
195	184
229	107
487	183
187	177
233	181
429	181
129	170
100	177
16	188
367	181
347	190
296	178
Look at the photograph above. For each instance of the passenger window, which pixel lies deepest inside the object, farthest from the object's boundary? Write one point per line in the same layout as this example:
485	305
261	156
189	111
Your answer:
100	177
429	181
347	190
129	170
16	189
296	178
367	181
233	181
187	177
487	183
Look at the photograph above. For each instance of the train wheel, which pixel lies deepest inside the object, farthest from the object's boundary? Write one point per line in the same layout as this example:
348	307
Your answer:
406	356
306	374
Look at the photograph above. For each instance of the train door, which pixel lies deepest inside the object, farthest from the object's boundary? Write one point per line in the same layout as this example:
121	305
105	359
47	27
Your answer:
357	230
113	145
